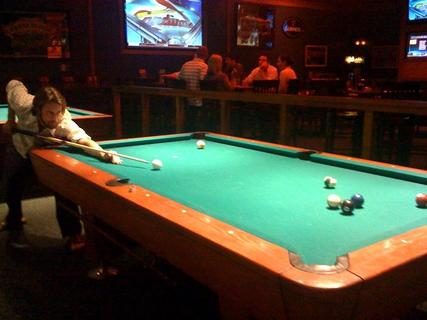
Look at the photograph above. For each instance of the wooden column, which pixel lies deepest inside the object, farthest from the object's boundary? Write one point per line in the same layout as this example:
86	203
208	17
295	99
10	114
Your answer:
368	123
179	114
117	113
145	120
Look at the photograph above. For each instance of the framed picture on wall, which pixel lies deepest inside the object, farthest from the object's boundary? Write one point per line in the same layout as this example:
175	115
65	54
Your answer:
316	56
254	26
34	35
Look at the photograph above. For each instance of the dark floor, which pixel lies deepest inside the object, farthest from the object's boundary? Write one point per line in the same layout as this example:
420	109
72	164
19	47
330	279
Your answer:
45	282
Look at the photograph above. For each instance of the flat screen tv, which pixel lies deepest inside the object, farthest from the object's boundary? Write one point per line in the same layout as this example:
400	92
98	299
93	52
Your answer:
417	45
163	23
417	10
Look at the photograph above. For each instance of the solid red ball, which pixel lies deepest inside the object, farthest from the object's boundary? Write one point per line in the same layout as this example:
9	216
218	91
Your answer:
421	200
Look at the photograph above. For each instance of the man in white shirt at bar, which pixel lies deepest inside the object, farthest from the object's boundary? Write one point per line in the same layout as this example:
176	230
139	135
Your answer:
264	71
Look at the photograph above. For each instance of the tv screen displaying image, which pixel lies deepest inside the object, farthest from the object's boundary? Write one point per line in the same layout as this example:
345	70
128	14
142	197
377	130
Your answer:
417	45
255	25
163	23
417	10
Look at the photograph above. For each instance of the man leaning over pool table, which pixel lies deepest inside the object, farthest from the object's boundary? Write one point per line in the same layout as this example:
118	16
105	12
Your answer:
45	114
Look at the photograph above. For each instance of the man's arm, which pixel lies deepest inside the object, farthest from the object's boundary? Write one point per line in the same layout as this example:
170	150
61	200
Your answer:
109	157
18	98
273	73
69	130
203	71
173	75
250	78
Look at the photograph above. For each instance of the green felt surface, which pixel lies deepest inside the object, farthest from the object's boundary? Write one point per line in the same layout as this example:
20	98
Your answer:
272	194
79	113
3	112
74	112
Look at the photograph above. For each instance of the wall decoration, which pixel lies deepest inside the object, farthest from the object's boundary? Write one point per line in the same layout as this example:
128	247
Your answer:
34	34
255	26
316	56
292	27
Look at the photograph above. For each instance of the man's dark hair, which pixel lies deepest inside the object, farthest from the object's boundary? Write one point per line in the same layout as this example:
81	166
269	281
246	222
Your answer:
46	95
202	52
286	59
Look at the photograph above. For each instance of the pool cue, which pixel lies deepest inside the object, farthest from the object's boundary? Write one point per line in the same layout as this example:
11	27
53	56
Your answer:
76	145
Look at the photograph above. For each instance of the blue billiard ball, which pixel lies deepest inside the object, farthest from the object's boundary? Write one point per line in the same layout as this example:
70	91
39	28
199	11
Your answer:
347	206
357	200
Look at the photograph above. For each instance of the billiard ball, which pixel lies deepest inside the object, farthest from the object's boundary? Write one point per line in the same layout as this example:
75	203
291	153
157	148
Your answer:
347	206
334	201
421	200
330	182
157	164
357	200
200	144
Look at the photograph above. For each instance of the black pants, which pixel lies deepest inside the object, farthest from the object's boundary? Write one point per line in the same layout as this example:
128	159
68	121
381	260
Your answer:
17	175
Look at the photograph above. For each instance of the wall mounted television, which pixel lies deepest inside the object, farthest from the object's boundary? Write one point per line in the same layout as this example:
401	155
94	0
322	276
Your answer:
417	45
417	10
162	24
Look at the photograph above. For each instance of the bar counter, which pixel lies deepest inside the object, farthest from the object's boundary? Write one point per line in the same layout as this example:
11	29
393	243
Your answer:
285	102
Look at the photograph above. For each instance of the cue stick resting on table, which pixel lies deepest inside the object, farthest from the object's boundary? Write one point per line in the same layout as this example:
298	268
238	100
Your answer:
155	163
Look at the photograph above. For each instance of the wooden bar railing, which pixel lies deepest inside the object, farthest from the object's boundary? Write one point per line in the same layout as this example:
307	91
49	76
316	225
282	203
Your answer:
368	106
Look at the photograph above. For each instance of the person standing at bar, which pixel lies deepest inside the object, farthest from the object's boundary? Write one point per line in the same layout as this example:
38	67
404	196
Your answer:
233	69
284	64
192	72
264	71
215	73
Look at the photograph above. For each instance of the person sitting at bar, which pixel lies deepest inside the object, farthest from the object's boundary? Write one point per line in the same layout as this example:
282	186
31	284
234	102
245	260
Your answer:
264	71
192	72
45	115
233	69
284	64
215	80
215	73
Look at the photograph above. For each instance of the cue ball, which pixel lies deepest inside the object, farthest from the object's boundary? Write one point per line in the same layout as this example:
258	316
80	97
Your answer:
200	144
347	206
421	200
157	164
330	182
334	201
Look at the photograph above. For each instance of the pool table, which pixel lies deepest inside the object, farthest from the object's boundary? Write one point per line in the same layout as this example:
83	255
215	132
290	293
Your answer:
98	125
250	220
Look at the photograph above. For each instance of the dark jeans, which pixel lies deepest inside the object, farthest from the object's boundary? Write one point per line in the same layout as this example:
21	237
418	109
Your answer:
17	175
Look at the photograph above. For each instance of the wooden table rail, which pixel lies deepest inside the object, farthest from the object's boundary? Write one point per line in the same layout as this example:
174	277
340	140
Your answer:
368	106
